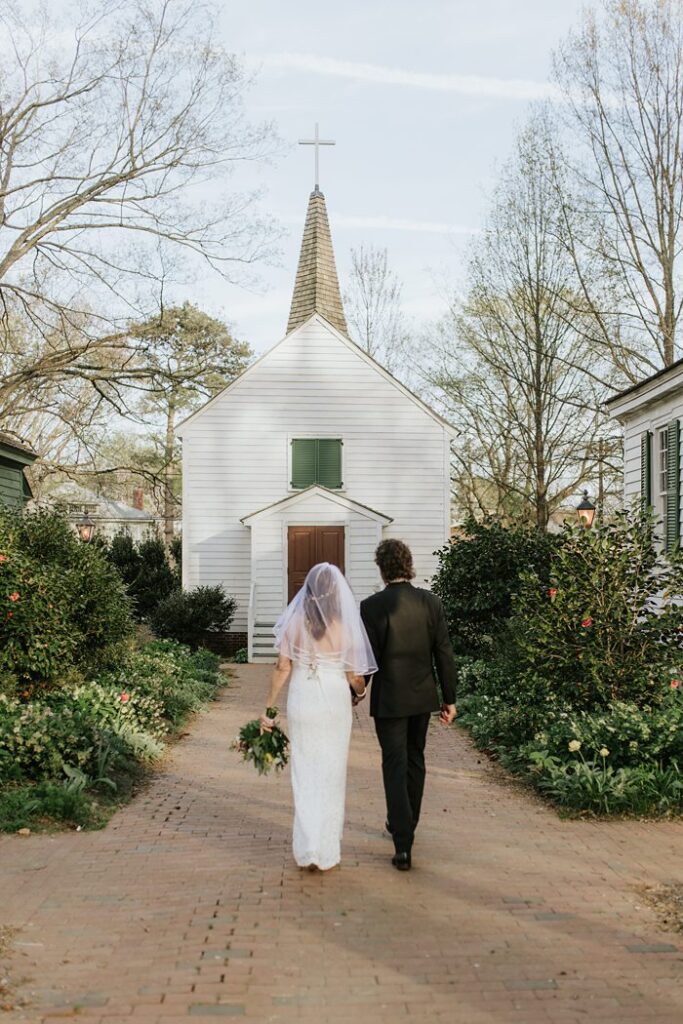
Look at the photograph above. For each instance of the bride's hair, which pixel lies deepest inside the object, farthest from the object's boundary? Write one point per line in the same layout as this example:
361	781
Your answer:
325	607
321	601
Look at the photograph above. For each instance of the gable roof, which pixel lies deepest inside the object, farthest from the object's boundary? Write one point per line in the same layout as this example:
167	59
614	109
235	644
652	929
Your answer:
650	389
319	491
353	347
316	288
13	449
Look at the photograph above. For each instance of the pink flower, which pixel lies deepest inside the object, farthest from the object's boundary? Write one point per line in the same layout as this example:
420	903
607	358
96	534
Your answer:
587	622
4	558
124	698
552	591
675	683
14	596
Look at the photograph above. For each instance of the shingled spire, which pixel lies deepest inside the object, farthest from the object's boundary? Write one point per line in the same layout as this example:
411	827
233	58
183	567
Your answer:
316	289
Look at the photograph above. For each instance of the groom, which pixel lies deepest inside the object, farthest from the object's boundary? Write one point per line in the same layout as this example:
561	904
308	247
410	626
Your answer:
407	629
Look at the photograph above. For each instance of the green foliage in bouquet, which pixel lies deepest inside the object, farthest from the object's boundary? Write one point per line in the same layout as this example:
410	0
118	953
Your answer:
265	750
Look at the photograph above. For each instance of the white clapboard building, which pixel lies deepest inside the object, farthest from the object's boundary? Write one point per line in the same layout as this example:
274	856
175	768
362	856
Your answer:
650	413
313	454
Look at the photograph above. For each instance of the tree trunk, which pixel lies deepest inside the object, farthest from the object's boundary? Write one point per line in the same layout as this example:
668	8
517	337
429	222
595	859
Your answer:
169	474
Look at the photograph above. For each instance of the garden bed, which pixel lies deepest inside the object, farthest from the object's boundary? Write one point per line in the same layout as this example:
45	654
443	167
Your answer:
571	675
70	756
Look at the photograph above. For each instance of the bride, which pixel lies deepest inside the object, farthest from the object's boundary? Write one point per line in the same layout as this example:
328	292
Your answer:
323	650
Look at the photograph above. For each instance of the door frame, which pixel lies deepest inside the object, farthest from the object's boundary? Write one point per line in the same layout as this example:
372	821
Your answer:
309	521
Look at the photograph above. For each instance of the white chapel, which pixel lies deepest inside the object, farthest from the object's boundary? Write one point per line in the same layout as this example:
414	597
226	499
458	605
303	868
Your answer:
315	453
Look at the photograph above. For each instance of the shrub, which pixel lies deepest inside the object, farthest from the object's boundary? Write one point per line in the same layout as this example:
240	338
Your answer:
608	628
146	571
479	574
187	615
97	733
62	605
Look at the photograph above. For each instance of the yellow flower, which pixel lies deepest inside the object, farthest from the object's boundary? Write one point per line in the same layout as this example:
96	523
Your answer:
574	745
604	752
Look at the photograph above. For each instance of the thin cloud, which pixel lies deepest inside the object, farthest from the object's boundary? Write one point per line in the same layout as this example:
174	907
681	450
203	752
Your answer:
400	224
479	86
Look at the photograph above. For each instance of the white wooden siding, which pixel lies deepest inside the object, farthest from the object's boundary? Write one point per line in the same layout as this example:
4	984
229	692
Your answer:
270	549
236	460
653	416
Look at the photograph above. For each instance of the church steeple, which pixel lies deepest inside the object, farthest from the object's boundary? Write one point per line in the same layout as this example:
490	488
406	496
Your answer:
316	289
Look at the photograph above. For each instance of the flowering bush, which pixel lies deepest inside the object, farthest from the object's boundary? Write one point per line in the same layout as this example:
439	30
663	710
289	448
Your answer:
611	629
62	606
98	732
584	694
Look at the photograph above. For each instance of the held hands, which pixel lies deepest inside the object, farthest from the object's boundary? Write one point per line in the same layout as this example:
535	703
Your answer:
447	713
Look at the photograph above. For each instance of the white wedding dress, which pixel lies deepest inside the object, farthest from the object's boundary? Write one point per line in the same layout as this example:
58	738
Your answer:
322	636
319	717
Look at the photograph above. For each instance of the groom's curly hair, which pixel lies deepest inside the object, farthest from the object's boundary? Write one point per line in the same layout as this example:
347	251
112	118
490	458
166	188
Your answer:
394	560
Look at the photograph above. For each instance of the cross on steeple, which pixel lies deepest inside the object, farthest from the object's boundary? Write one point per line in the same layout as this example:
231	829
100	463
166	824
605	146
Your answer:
317	142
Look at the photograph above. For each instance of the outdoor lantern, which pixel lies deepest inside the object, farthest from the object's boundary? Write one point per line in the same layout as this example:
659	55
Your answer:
585	510
86	528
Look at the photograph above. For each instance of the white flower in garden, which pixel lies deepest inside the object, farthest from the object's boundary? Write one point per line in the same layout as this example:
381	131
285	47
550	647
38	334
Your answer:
604	752
574	745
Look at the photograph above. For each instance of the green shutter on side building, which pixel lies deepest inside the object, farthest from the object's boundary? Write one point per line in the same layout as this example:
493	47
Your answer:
673	485
646	468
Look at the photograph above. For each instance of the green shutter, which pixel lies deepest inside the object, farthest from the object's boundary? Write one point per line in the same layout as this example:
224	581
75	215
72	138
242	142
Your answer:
304	461
673	485
646	468
329	463
317	461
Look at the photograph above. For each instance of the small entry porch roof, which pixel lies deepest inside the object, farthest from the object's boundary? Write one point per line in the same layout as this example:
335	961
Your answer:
316	491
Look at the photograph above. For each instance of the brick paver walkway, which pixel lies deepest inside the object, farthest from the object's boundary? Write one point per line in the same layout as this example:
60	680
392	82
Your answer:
188	904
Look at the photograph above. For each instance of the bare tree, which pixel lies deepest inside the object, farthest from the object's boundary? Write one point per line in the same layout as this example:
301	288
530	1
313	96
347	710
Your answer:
622	77
114	136
373	306
525	387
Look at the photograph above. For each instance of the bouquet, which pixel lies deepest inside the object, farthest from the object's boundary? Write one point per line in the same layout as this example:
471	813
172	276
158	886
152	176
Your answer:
265	750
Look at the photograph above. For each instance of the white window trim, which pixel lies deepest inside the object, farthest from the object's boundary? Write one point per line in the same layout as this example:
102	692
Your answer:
659	497
317	436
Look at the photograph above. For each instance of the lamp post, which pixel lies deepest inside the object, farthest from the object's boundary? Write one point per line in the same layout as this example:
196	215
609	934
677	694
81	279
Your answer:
585	511
86	528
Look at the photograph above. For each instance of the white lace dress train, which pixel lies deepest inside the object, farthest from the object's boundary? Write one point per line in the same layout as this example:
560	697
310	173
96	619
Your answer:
319	717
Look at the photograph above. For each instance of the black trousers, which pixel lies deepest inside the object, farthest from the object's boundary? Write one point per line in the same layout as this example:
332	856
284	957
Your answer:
403	768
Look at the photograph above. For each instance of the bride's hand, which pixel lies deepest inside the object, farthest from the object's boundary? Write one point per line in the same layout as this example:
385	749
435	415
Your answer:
266	723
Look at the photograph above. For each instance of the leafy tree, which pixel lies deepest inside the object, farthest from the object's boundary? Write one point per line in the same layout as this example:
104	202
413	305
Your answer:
188	356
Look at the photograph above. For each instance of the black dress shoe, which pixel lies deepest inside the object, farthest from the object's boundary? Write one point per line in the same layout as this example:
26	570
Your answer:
401	861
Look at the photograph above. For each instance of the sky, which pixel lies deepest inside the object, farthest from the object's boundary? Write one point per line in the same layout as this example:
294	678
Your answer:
422	99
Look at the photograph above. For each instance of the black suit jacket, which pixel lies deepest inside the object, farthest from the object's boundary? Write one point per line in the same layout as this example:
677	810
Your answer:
408	632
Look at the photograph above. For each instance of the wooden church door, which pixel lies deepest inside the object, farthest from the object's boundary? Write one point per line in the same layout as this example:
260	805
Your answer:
308	545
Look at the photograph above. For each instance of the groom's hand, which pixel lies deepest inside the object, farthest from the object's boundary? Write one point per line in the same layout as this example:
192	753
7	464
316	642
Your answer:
448	713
